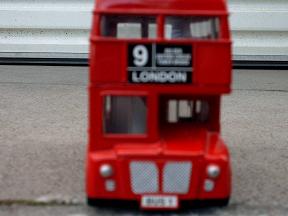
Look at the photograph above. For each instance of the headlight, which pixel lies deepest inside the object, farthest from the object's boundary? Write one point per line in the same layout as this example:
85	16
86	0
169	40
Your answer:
213	171
106	170
110	185
209	185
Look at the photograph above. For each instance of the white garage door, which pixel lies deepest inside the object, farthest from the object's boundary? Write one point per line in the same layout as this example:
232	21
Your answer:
60	28
260	29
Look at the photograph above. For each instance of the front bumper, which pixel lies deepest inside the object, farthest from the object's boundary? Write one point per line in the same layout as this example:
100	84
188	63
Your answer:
183	176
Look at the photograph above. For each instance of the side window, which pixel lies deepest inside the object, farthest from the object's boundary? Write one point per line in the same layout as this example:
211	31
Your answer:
187	111
125	115
192	27
128	27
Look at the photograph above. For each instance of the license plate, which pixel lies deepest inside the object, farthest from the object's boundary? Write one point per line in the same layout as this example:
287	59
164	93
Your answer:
159	202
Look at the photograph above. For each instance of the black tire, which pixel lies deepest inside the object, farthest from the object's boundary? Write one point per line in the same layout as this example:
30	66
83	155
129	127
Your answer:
217	202
107	203
224	202
92	202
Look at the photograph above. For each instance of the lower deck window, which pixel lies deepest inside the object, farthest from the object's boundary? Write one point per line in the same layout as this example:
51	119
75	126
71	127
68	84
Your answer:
125	114
187	111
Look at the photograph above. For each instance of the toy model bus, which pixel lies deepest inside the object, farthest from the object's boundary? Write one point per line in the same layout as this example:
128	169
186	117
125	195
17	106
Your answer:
157	72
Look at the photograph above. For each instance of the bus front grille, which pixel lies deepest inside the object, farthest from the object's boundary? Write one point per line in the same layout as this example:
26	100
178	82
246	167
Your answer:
176	177
144	177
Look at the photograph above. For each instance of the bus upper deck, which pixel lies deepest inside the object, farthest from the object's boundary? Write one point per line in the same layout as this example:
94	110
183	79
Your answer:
161	45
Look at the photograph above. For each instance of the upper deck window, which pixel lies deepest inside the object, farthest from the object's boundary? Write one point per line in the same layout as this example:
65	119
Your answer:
128	27
191	27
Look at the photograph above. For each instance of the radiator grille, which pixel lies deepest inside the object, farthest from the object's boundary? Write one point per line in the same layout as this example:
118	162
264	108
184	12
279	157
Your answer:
144	177
176	177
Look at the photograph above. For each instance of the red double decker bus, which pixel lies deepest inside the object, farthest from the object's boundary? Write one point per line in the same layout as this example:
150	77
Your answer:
157	72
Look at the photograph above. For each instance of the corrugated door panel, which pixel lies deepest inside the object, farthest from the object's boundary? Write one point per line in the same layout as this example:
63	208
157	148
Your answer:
60	28
259	29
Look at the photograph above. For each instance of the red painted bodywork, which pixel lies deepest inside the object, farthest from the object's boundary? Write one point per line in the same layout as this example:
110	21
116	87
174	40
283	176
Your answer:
202	145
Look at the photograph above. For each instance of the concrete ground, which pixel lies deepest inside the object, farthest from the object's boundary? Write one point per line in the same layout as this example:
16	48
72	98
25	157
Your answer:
43	123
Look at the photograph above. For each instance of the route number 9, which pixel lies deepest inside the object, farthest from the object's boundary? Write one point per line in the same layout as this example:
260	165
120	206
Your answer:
140	54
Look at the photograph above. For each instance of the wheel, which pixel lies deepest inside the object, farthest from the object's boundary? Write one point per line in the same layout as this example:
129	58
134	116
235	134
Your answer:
224	202
199	204
107	203
93	202
217	202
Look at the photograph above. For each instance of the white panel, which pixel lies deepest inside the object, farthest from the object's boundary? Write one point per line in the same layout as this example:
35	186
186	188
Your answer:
54	27
61	27
259	29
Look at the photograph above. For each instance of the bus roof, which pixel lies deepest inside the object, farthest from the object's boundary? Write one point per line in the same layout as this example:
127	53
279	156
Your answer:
196	5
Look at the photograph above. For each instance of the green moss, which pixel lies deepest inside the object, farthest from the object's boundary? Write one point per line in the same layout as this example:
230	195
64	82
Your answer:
37	203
